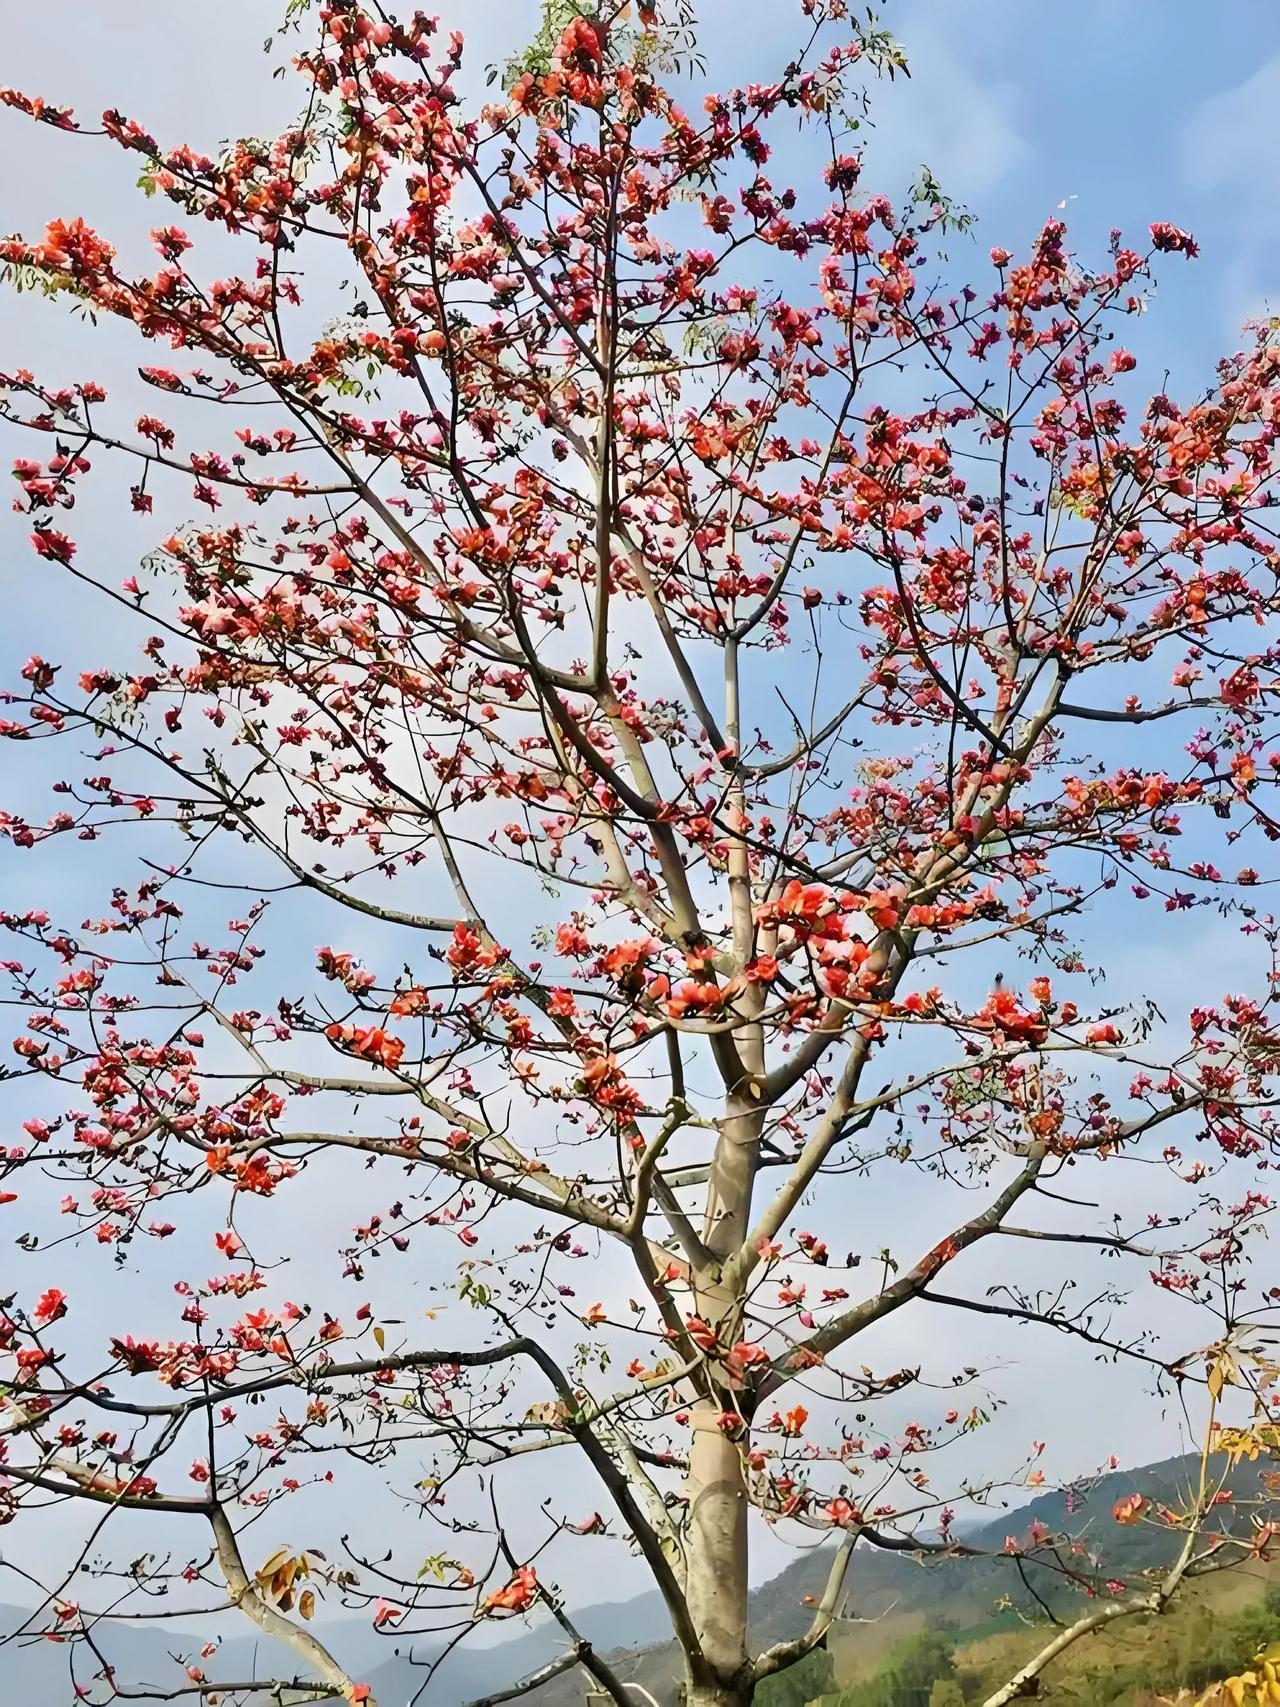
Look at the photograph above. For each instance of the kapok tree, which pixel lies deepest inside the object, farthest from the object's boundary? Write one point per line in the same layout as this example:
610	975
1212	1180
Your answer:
662	658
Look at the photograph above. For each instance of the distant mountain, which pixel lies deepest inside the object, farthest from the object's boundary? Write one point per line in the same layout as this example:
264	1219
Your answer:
959	1592
640	1624
962	1592
35	1671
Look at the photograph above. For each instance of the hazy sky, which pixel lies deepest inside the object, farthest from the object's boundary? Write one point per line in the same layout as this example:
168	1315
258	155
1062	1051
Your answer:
1117	112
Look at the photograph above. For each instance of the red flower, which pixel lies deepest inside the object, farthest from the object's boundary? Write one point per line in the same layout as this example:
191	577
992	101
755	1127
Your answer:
1002	1013
49	1306
580	42
1169	238
1129	1508
842	1514
53	545
370	1044
519	1593
744	1354
73	246
701	1333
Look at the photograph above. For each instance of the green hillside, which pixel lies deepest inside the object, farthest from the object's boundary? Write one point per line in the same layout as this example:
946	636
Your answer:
991	1616
1212	1632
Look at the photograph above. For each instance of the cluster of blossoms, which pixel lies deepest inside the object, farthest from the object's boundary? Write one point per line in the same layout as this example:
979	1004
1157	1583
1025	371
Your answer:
611	957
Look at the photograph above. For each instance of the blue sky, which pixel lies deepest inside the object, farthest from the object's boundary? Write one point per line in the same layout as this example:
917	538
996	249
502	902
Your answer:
1125	111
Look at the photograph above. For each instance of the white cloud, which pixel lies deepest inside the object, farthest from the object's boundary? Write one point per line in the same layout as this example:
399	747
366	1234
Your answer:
1224	143
964	128
1231	133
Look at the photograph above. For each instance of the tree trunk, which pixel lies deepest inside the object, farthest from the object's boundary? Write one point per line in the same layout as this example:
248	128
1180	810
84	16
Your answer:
715	1695
716	1540
717	1545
